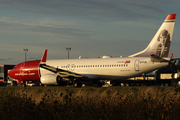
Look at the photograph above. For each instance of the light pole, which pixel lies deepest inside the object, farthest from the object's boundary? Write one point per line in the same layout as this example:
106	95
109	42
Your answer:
25	53
68	51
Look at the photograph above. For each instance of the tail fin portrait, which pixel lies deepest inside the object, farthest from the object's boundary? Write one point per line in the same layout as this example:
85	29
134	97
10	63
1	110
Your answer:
160	44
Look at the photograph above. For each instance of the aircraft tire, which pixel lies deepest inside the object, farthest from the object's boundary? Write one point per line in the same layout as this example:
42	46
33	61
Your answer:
14	83
78	84
98	84
40	84
24	84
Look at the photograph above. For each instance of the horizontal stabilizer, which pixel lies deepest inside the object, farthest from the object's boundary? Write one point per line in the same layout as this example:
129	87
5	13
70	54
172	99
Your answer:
175	58
155	58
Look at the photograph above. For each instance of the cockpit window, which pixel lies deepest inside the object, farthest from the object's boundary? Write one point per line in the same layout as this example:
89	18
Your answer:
14	67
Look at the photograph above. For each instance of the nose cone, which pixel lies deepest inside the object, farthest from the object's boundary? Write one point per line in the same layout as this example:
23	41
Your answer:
11	73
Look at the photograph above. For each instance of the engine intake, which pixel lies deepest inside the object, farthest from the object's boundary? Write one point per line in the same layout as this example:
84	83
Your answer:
50	79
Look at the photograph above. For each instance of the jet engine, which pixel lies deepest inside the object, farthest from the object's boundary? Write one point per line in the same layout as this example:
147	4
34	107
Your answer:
50	79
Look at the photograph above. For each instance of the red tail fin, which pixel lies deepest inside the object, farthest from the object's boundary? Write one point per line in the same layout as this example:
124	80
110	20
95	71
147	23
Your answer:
43	60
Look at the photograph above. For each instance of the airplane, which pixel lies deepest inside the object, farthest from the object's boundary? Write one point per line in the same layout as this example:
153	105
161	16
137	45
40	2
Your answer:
52	72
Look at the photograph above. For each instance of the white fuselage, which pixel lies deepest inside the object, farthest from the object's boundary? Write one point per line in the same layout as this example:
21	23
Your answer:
106	68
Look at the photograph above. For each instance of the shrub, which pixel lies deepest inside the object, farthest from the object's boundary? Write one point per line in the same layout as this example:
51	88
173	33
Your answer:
90	103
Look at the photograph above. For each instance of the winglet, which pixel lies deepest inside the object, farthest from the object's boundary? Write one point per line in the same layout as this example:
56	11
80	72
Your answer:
171	55
43	60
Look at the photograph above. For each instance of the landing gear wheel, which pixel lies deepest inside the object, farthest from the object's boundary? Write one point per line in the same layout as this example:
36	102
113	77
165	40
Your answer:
98	84
40	84
14	83
24	84
78	84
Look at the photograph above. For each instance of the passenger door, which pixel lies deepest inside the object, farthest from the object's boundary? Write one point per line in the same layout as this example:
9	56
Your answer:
136	65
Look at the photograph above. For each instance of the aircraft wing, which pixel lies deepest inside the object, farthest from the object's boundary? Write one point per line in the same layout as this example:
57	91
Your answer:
62	72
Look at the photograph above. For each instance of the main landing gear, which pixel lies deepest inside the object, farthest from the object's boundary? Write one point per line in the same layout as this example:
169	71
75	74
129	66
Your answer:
97	84
78	84
24	84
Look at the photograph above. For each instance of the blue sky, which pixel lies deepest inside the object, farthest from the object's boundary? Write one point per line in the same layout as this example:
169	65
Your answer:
92	28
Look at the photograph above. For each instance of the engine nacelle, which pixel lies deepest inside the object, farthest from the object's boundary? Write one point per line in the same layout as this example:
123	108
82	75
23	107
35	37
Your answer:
50	79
